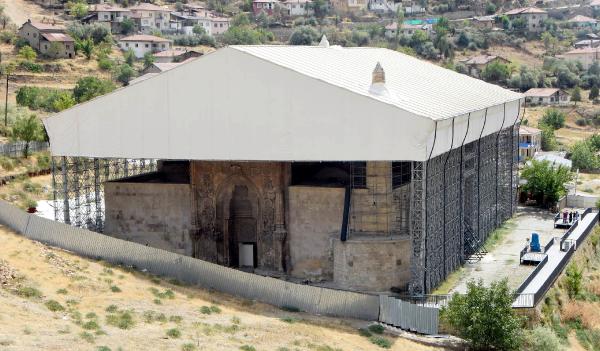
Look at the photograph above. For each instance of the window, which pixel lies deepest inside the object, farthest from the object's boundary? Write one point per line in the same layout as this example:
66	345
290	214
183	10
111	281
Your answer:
136	45
154	45
146	45
67	46
45	46
34	35
163	46
127	44
215	25
401	174
221	25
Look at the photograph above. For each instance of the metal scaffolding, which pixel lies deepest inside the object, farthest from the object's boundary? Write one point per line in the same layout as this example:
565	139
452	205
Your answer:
78	186
457	199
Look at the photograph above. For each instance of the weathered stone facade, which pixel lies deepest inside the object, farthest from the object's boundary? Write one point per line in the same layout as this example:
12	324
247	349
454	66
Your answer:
239	202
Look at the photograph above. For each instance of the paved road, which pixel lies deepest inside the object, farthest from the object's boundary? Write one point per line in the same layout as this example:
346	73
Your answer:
503	261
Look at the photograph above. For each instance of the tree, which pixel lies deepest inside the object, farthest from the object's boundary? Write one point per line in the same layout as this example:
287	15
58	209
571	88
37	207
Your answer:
199	29
545	182
484	316
574	280
127	26
88	88
576	95
27	129
64	101
548	138
241	19
246	36
129	57
78	9
399	21
86	46
583	156
496	72
594	93
554	118
27	53
124	73
304	36
148	59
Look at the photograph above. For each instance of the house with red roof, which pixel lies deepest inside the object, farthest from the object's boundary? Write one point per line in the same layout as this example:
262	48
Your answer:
48	38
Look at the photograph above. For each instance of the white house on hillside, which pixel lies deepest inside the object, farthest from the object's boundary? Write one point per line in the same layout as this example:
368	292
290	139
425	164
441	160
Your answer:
142	44
534	17
587	56
298	7
150	17
547	96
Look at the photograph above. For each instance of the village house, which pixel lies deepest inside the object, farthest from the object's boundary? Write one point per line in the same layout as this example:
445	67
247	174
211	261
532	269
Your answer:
413	7
530	142
175	55
532	17
595	5
219	25
110	14
547	96
184	22
384	6
150	17
586	56
407	29
587	43
49	39
198	9
476	64
291	180
142	44
267	6
297	8
580	21
484	22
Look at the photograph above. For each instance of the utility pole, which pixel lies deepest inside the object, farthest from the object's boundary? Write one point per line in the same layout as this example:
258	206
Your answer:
6	103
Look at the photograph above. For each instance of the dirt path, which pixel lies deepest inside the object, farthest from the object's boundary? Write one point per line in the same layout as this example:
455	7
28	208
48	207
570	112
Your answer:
21	10
84	289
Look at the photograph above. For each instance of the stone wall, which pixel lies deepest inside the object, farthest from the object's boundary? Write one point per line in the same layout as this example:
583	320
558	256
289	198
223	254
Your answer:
315	220
372	264
152	214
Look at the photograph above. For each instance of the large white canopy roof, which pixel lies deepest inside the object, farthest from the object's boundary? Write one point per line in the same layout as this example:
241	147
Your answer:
287	103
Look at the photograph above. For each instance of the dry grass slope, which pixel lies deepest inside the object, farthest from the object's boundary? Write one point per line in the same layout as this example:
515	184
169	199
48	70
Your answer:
54	300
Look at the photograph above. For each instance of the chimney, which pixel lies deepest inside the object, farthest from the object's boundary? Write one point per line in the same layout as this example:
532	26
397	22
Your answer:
324	42
378	82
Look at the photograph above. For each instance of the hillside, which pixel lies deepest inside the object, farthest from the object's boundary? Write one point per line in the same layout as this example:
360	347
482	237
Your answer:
96	304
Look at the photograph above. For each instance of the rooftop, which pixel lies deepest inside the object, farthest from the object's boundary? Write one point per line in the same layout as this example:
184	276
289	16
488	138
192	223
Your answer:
541	91
482	59
57	37
46	26
587	50
144	37
582	19
107	8
288	103
144	6
174	52
525	10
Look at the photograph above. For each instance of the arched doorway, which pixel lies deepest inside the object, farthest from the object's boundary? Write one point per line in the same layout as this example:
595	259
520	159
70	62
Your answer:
242	228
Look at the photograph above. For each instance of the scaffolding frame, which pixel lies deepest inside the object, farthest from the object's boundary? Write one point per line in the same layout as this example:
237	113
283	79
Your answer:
78	186
457	199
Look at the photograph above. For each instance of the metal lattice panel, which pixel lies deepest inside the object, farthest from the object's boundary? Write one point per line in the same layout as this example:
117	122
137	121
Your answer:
78	184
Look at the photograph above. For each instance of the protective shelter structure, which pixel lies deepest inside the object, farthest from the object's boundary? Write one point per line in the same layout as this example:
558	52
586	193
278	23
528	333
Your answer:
359	167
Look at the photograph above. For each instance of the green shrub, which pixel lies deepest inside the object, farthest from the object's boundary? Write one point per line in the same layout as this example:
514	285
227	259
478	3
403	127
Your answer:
87	337
554	118
6	163
376	328
31	67
494	327
61	291
175	319
91	325
88	88
39	98
105	64
381	342
174	333
121	320
54	306
188	347
542	339
28	292
112	309
115	289
364	332
289	320
103	348
32	187
43	161
574	280
247	348
215	309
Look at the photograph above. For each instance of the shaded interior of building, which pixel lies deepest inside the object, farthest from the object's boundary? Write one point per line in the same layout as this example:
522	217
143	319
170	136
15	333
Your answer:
368	226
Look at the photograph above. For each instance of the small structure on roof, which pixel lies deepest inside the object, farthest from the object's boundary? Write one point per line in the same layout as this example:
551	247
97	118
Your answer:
48	38
547	96
142	44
